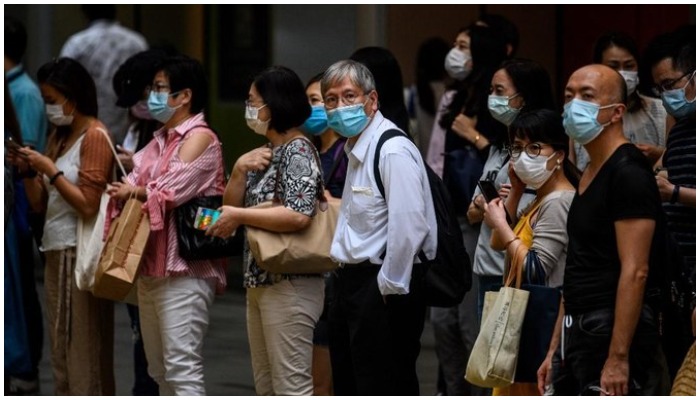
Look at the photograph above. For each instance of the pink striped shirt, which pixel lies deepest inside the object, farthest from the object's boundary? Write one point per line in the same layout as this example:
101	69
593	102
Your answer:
169	183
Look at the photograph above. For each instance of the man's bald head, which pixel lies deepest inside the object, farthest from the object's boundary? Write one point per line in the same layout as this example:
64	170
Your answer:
609	84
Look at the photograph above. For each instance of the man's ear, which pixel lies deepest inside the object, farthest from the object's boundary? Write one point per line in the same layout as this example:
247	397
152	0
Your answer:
618	111
374	100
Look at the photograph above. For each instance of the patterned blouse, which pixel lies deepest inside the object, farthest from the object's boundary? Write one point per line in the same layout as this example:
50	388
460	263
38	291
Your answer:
298	188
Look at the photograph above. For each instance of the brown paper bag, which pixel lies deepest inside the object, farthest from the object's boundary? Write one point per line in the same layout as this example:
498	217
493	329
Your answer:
121	255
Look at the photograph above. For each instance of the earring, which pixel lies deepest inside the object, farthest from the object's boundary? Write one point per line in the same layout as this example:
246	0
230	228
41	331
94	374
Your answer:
558	164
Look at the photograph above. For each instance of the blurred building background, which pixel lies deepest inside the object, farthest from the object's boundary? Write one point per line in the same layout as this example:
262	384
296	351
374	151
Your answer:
236	41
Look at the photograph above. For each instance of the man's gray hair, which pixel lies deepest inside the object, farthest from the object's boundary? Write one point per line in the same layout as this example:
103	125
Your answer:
359	76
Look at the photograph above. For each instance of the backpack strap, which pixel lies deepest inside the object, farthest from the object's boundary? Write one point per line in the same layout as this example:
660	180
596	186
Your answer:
391	133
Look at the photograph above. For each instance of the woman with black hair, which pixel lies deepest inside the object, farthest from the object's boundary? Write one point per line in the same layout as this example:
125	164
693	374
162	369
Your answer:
538	160
181	162
644	123
282	309
387	76
67	184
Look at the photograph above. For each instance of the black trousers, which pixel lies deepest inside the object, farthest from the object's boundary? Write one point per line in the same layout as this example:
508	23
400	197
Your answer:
587	341
374	346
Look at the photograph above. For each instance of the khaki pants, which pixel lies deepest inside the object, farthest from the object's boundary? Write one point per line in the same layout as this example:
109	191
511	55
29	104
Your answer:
281	320
81	329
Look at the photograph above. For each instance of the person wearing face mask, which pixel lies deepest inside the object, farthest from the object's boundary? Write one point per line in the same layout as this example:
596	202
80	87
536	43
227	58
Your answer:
183	161
644	123
329	143
517	86
610	335
672	61
377	312
130	83
67	184
334	163
282	309
538	159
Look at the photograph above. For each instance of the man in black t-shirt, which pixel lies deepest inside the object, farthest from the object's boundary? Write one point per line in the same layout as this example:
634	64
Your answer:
611	342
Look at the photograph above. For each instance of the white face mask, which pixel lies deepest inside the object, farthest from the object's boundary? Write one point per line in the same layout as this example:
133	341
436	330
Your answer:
456	63
631	79
533	171
55	114
251	118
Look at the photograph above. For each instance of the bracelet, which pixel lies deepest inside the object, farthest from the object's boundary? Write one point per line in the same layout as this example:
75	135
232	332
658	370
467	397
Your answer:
54	177
477	138
511	241
676	193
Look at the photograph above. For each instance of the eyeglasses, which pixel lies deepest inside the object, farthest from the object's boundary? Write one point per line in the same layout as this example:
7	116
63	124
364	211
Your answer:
532	149
158	88
670	85
349	98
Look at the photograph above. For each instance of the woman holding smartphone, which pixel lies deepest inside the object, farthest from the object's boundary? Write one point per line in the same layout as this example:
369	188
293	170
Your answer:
538	159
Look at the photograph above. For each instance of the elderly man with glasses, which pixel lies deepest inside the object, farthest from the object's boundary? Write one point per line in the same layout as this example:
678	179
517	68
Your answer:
377	313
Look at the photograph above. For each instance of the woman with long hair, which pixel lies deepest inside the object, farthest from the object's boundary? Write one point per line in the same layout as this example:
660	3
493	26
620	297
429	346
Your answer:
69	182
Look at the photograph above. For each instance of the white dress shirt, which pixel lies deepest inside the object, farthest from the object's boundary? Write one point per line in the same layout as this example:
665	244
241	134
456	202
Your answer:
403	225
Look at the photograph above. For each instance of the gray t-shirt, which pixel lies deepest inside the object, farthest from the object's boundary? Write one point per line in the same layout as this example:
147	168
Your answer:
550	237
487	261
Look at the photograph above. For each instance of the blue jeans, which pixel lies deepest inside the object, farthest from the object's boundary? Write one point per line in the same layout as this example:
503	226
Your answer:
586	343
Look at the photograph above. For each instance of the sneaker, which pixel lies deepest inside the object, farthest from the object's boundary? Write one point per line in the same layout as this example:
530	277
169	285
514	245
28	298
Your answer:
20	387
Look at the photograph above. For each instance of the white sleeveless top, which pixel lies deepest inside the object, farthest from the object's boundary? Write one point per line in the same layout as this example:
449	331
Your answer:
61	218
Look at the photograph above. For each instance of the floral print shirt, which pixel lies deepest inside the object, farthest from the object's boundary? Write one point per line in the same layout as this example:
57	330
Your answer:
300	181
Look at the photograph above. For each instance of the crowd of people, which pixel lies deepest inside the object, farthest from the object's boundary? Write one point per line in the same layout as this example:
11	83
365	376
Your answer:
596	198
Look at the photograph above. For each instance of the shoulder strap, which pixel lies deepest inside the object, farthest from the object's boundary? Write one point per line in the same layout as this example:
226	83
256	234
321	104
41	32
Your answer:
391	133
114	152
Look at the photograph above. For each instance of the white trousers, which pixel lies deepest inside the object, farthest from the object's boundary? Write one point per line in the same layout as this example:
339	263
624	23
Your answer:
174	315
281	321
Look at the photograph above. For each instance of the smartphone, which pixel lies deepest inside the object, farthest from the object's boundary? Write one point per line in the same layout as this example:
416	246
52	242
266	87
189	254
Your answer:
489	191
14	147
205	217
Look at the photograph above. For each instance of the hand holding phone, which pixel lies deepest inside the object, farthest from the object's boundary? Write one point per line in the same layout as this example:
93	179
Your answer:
205	218
489	191
14	147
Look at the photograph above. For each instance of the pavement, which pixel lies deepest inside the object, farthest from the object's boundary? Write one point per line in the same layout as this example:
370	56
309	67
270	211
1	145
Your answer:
227	368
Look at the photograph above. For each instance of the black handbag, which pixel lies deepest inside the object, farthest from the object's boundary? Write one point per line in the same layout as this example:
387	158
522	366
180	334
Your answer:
540	318
194	243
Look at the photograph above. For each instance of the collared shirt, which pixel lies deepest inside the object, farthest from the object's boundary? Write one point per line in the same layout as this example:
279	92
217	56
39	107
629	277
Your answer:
400	226
169	183
101	49
29	108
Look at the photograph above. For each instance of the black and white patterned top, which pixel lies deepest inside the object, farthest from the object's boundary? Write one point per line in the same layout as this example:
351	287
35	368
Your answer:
298	190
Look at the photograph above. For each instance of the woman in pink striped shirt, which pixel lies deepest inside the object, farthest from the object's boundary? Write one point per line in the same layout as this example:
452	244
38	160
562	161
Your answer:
182	161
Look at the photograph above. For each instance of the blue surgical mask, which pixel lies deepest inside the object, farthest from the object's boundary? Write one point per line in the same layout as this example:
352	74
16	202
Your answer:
348	121
675	102
317	123
501	111
159	108
581	120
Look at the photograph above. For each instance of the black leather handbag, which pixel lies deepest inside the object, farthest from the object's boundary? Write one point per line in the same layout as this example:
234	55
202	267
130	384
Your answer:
193	243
